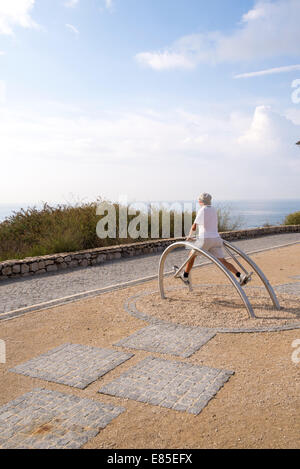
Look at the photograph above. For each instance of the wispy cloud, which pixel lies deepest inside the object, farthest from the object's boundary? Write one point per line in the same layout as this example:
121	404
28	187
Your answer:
72	28
16	13
93	146
164	60
109	4
269	71
71	3
270	29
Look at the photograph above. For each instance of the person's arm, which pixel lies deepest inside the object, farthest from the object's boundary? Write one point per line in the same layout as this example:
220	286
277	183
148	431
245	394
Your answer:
198	221
192	230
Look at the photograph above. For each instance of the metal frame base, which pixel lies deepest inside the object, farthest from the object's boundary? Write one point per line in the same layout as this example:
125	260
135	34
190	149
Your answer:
215	260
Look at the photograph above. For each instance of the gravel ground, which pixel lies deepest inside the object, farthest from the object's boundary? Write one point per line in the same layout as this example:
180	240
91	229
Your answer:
20	293
257	408
215	306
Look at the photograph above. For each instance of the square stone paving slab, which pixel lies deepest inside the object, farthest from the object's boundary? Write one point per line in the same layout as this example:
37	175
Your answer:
43	419
289	288
171	384
173	339
72	365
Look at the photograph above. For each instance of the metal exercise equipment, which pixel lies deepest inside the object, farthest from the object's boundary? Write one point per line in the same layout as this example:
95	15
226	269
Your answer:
230	250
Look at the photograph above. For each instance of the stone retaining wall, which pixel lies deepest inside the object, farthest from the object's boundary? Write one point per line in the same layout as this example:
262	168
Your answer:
56	262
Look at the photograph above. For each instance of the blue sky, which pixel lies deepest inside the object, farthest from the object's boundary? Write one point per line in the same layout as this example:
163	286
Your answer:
149	99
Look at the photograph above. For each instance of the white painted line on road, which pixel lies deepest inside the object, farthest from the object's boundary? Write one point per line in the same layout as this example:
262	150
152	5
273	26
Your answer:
99	291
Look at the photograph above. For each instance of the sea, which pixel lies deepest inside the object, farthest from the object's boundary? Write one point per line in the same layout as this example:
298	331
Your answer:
257	213
249	213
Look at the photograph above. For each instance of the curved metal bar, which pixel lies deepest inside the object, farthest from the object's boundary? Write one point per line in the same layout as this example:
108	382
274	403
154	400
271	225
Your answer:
261	275
235	260
211	258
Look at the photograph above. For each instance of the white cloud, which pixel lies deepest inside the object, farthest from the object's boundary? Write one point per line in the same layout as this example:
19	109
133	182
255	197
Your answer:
269	71
293	114
15	13
269	30
72	28
109	4
270	129
257	13
164	60
148	155
71	3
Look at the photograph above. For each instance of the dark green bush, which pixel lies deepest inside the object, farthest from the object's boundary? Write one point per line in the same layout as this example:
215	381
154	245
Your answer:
67	228
292	219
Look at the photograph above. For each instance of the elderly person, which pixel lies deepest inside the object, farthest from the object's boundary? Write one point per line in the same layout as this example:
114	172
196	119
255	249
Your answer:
209	239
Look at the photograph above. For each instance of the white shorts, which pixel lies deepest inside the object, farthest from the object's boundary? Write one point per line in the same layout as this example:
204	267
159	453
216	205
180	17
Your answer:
212	245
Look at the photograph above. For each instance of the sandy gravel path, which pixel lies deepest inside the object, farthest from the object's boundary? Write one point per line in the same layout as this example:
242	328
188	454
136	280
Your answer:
257	408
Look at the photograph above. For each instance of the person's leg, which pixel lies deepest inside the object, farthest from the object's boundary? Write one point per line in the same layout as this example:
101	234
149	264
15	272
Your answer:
243	278
190	263
229	266
217	250
184	276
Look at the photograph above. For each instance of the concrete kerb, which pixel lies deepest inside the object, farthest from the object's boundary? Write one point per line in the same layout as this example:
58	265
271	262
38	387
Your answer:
93	293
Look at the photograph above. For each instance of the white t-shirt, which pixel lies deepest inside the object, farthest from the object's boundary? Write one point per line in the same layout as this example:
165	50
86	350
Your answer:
207	221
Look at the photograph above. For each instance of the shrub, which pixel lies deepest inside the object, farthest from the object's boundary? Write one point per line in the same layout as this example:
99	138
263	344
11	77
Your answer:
36	232
66	228
226	222
292	219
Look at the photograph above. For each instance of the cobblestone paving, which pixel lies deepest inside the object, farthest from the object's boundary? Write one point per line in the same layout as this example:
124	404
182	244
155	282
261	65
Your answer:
172	339
293	288
72	365
19	293
171	384
43	419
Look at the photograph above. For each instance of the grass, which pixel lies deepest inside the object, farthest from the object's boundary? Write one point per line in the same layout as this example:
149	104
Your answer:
66	228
